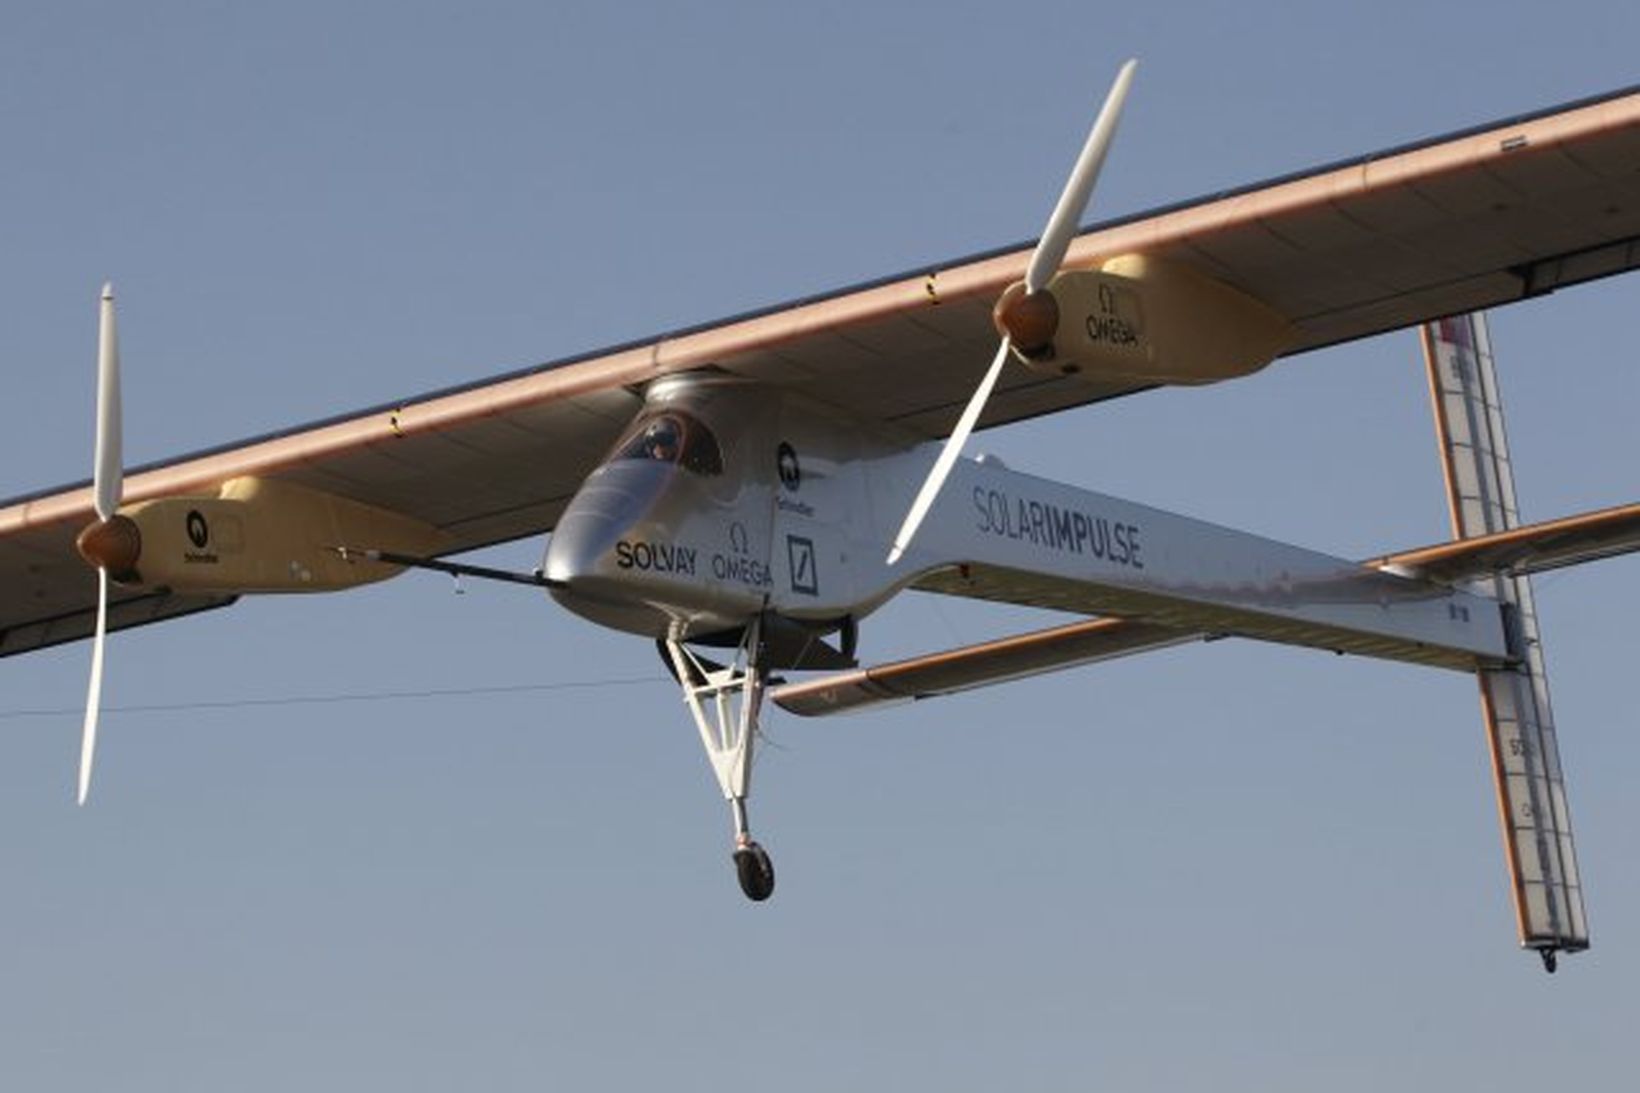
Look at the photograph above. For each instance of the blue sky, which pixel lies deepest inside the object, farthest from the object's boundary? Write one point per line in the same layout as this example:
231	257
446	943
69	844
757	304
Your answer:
1235	866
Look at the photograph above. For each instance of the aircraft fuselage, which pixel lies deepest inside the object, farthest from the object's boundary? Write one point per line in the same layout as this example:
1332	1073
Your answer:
727	500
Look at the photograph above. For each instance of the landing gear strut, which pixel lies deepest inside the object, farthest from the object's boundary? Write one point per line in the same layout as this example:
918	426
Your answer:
727	731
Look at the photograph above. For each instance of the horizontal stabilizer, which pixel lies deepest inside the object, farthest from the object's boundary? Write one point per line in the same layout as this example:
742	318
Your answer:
1587	537
977	665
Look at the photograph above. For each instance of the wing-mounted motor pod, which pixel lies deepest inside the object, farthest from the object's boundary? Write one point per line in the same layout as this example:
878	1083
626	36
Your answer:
254	535
1141	318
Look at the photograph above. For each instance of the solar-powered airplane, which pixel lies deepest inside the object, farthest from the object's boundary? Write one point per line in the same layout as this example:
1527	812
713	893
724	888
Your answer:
746	493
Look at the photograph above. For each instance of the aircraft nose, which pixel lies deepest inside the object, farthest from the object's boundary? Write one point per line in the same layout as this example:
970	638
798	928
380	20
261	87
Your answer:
608	505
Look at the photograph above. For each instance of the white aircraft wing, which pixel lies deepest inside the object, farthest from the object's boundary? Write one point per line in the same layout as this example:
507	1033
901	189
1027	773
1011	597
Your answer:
1477	219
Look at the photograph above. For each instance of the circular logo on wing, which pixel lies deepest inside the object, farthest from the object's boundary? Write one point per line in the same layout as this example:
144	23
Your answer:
199	532
791	474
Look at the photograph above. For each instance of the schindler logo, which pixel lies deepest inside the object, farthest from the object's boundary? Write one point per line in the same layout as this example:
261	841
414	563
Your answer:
787	466
791	477
199	534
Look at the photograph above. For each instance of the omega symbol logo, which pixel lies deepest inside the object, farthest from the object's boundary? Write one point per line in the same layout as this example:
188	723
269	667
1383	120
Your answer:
738	537
791	475
199	533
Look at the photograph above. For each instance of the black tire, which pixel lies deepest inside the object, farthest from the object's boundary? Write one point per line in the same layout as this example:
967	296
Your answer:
755	872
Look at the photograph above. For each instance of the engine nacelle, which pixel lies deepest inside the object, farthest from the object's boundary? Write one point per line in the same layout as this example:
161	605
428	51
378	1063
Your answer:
1149	320
262	535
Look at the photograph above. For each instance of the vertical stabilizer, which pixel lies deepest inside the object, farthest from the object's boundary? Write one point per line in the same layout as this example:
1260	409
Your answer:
1537	830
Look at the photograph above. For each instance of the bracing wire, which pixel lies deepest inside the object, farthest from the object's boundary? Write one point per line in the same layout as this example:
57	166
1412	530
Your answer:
331	699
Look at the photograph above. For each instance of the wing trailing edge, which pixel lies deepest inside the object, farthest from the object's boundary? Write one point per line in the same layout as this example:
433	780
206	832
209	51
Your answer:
123	614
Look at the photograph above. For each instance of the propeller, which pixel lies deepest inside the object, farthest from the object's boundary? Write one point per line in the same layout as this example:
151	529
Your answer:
112	543
1034	308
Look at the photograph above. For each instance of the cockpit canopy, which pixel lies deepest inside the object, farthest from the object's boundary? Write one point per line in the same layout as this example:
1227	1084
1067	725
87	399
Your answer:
672	436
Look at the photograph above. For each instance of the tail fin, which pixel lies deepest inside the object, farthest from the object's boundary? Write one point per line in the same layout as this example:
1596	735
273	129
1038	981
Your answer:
1531	789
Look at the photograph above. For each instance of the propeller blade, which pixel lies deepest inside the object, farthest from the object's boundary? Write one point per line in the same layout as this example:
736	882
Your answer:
93	698
948	456
1073	202
107	486
1045	261
107	477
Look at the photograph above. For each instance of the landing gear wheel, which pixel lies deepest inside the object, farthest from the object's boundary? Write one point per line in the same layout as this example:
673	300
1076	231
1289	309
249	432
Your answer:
756	872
